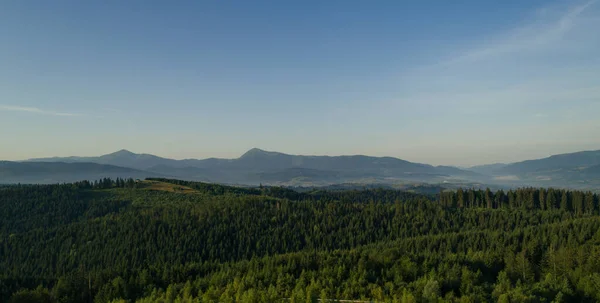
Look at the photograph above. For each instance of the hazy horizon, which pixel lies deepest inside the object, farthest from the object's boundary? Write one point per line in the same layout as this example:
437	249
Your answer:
235	156
443	84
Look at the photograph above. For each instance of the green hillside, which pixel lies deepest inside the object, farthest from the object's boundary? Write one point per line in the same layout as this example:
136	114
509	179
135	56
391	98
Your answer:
164	240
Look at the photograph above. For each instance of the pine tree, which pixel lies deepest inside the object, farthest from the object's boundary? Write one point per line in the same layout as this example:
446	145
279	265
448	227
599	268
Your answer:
460	196
542	199
564	201
551	199
589	203
488	198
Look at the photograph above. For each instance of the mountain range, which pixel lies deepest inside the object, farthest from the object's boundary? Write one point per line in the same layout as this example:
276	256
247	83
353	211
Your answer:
259	166
256	166
59	172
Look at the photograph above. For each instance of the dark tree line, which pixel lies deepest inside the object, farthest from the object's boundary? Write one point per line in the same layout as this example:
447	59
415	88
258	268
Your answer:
106	183
525	198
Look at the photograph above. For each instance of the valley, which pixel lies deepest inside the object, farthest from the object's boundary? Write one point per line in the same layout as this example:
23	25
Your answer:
578	170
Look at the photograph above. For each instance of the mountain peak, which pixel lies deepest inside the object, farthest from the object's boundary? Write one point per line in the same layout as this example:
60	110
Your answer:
121	153
257	152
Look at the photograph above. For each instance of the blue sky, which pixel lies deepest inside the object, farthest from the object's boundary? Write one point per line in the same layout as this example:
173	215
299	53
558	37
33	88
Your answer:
441	82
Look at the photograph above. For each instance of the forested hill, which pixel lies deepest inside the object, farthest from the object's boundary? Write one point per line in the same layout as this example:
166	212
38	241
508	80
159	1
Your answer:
164	240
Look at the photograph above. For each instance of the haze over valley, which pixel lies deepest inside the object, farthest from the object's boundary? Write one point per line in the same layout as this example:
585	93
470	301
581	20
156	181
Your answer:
579	170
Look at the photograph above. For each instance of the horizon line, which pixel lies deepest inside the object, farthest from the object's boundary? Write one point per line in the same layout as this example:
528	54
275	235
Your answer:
288	154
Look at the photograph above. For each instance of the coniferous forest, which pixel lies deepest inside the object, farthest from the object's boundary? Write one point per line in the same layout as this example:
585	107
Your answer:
163	240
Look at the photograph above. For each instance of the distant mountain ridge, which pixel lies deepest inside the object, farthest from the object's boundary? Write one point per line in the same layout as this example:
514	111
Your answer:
257	165
579	170
561	161
567	161
122	157
58	172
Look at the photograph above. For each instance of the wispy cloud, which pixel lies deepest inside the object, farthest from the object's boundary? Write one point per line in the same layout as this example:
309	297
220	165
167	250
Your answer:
549	60
535	34
36	110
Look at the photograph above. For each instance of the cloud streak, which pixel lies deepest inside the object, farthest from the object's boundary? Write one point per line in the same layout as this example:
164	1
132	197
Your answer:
532	36
35	110
532	64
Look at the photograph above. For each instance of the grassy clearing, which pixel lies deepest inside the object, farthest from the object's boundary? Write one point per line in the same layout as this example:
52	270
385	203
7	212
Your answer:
168	187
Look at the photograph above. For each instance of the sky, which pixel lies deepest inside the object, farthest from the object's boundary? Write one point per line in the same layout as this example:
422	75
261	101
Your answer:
439	82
